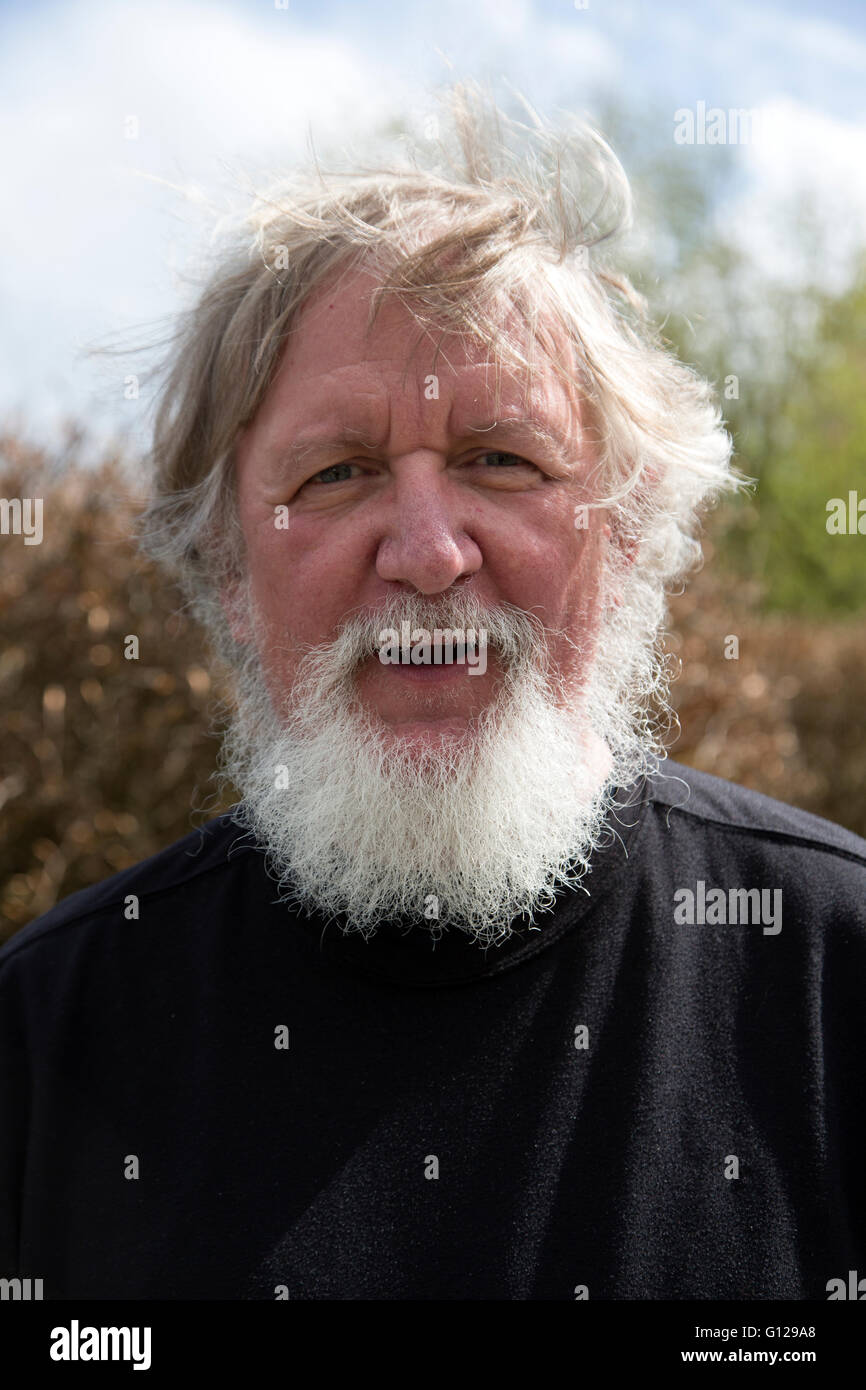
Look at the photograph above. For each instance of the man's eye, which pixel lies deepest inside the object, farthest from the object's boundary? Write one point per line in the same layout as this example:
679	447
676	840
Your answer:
499	454
496	458
337	473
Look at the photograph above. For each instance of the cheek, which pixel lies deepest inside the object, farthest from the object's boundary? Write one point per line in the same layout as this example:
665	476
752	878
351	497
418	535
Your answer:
303	590
269	541
558	576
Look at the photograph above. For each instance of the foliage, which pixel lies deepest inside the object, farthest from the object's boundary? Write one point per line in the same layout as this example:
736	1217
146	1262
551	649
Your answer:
107	760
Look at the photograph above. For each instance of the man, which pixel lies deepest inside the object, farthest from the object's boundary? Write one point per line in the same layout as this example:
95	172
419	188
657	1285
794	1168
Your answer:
473	995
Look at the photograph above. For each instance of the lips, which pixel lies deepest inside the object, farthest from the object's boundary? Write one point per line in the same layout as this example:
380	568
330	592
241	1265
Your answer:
426	670
439	655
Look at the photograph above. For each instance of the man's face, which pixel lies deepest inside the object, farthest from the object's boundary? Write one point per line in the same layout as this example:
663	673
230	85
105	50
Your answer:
398	481
460	793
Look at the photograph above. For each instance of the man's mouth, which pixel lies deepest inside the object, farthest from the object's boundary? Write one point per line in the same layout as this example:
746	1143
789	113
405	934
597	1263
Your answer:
446	651
437	665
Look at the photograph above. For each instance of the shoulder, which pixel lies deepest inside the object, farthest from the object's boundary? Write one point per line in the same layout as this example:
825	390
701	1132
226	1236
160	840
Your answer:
198	864
687	798
701	831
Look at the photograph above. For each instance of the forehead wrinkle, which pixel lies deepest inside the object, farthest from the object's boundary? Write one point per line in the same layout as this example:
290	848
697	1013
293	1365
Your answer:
364	420
360	418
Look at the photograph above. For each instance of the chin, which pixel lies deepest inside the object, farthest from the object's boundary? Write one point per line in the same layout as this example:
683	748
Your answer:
429	733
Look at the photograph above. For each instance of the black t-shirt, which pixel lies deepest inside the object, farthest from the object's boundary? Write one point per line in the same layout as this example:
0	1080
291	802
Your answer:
657	1093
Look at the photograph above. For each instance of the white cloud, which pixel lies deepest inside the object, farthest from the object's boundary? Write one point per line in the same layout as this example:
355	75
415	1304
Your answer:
90	246
96	234
823	43
804	213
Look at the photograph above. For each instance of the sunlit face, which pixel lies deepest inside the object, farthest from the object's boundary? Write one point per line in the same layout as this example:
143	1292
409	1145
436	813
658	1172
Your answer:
399	477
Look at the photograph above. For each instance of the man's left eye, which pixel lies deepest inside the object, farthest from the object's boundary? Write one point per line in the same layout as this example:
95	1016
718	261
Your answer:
339	473
499	454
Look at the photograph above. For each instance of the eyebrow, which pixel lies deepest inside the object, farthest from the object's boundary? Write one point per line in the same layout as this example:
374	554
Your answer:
562	449
302	450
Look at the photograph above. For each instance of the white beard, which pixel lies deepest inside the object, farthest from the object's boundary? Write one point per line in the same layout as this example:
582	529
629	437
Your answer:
472	832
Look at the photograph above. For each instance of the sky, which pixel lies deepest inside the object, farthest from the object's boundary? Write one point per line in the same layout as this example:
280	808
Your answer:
121	124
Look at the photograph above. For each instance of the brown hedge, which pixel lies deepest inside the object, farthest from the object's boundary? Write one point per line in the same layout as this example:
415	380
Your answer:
106	760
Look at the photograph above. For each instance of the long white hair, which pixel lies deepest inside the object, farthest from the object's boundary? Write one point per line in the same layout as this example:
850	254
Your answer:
506	214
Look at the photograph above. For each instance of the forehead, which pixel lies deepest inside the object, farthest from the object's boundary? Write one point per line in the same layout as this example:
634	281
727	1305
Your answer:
335	358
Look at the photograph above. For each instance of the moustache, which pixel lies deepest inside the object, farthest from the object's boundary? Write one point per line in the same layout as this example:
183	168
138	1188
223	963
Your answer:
465	624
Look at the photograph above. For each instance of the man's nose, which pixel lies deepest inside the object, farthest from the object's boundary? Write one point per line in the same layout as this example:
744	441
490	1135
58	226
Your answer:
423	540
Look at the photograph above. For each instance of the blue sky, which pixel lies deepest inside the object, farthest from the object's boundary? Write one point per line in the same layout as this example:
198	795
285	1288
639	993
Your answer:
95	240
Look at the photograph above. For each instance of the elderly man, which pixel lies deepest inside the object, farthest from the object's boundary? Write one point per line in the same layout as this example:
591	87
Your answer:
473	995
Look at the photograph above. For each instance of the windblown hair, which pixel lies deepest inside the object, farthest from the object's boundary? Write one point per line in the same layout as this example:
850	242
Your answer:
509	217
